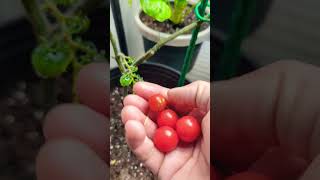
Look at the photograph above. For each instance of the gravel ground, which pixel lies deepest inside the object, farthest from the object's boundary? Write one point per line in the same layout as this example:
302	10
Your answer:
123	164
21	129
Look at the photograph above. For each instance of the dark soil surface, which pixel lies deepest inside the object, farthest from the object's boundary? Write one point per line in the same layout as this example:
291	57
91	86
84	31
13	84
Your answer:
123	163
167	26
21	128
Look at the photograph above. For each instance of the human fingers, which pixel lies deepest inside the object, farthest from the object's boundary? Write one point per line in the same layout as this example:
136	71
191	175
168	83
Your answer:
133	113
92	87
81	123
67	159
194	95
313	171
136	101
142	146
274	106
146	89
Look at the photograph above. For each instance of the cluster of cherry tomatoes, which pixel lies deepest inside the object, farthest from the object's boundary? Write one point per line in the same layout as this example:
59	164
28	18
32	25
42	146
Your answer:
171	128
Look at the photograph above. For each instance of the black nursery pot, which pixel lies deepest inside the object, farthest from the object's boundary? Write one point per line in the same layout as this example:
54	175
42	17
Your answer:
171	56
151	72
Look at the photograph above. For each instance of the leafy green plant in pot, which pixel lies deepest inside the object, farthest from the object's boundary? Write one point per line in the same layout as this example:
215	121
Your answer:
157	19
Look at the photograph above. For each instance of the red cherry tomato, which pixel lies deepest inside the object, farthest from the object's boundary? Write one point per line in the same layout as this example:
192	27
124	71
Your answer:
188	128
165	139
248	175
167	118
157	103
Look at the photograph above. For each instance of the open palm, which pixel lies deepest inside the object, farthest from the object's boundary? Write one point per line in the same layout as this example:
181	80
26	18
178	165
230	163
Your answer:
186	161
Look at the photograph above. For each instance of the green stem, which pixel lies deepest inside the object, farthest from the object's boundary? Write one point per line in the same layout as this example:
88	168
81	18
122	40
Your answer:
76	68
116	53
162	42
177	14
36	17
55	12
51	93
190	50
241	22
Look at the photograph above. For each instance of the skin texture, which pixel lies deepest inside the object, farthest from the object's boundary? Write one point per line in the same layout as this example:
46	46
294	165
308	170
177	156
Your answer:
186	161
268	121
76	145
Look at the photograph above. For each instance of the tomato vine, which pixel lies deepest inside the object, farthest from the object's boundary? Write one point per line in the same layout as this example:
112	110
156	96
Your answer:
61	45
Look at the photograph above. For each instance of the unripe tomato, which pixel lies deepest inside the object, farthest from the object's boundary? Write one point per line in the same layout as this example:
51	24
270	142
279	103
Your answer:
157	103
50	61
167	117
188	129
248	175
165	139
126	80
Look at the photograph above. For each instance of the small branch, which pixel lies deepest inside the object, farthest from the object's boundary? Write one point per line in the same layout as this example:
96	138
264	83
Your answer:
55	12
116	53
36	17
162	42
77	45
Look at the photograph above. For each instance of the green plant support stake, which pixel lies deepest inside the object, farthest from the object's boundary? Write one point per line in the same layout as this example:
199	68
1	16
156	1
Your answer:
241	21
200	12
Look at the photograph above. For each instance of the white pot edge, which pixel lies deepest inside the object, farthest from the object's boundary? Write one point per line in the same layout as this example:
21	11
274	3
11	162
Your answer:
180	41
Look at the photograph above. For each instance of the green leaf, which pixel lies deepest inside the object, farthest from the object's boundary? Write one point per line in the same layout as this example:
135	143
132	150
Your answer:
158	9
51	60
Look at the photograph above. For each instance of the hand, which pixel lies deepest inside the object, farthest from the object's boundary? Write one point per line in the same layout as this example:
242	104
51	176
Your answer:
268	121
77	136
185	162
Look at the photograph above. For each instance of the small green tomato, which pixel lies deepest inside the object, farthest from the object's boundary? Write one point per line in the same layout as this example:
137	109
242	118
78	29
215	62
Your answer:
126	80
51	61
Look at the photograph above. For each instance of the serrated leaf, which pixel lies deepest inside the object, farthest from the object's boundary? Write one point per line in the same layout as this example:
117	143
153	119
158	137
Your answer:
158	9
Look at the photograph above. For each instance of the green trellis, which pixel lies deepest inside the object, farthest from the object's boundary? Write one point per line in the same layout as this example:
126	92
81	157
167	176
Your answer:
240	26
200	14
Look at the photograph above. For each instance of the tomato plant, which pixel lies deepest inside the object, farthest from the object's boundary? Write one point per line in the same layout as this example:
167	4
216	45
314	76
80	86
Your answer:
188	129
157	103
167	118
58	25
165	139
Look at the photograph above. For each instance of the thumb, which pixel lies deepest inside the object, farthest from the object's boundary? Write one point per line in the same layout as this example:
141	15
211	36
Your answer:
194	95
313	171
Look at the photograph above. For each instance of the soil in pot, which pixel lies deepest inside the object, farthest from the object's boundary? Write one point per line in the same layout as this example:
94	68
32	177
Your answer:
167	26
21	127
123	163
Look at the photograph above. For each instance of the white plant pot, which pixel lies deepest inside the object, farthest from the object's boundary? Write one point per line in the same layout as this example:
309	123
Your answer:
173	53
180	41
